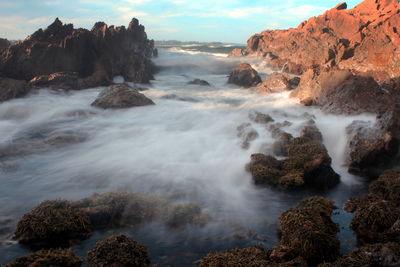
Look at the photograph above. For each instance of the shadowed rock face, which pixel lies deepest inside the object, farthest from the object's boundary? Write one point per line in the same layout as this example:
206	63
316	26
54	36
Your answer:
4	43
364	39
80	58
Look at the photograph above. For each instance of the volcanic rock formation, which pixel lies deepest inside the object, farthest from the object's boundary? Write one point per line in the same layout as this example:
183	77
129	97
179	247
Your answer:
63	57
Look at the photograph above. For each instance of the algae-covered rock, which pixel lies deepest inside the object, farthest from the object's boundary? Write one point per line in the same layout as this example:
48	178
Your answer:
377	213
307	162
45	258
249	257
118	250
53	224
310	232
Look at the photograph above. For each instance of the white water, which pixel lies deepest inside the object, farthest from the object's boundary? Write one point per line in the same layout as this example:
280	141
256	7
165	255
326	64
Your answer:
185	149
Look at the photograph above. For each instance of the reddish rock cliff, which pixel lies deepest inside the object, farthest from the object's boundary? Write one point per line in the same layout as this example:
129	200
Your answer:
365	39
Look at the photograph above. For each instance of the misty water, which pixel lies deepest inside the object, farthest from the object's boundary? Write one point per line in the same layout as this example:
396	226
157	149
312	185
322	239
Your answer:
184	148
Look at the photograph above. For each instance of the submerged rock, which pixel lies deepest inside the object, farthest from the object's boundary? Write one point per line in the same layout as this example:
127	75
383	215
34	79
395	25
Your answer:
307	162
52	257
247	133
310	232
119	250
120	96
53	224
199	82
259	117
383	254
275	83
244	75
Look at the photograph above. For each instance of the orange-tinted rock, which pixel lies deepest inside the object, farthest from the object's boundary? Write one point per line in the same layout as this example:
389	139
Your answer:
364	39
275	83
244	75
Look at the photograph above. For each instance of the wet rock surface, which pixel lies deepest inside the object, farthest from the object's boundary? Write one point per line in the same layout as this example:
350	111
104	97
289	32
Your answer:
307	162
373	148
119	250
52	257
120	96
244	75
247	134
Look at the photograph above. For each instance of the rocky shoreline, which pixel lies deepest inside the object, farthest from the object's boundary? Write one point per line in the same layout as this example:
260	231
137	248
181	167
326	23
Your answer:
342	70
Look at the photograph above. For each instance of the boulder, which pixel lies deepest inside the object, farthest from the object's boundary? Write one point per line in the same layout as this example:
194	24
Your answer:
307	163
309	230
244	75
363	39
275	83
120	96
63	57
118	250
10	88
53	224
199	82
261	118
52	257
237	52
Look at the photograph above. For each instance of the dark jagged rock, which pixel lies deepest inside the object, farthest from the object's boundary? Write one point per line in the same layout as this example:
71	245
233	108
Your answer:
199	82
121	96
4	43
307	162
377	213
275	83
384	254
52	257
244	75
61	56
119	250
10	88
364	39
249	257
310	232
53	224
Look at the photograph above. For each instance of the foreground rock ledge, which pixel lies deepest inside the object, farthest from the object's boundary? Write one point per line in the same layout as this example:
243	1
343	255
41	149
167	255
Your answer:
52	257
118	250
121	96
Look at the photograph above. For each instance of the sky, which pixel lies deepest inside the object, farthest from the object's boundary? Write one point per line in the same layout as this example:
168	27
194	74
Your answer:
196	20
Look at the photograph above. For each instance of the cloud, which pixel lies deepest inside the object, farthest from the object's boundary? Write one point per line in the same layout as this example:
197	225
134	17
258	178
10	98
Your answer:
128	13
40	20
